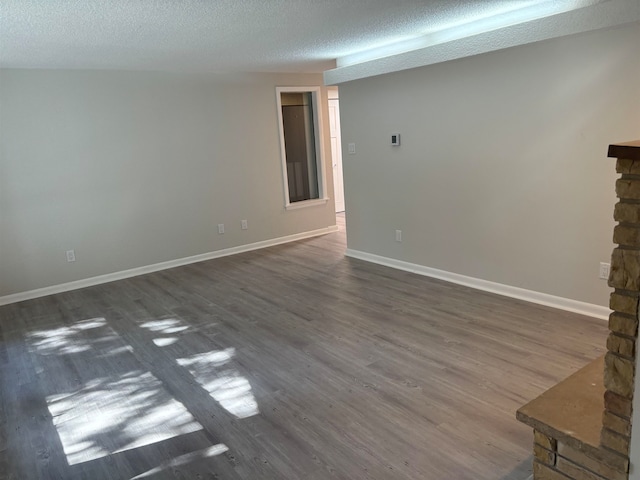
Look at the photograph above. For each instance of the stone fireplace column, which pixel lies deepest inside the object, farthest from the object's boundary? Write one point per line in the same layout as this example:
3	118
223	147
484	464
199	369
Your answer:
620	360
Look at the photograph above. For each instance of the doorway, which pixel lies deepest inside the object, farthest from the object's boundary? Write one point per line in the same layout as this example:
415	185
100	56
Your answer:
336	148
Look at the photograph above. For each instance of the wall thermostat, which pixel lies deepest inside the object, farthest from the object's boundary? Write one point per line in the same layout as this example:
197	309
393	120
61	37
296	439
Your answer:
395	139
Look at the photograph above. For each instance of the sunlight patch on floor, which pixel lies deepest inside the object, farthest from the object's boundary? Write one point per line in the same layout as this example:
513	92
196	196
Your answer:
111	405
167	326
63	340
113	415
164	341
184	459
230	389
111	408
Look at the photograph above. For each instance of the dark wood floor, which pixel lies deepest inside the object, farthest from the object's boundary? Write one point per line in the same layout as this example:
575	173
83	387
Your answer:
292	362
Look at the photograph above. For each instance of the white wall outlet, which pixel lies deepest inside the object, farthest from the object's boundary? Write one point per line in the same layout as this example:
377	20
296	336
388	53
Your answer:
398	235
395	139
221	228
244	225
604	270
351	148
71	255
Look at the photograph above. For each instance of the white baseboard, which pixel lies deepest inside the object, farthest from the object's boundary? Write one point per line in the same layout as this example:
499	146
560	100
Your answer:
134	272
561	303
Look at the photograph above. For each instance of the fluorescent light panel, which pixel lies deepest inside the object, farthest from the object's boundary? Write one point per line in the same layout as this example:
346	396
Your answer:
497	21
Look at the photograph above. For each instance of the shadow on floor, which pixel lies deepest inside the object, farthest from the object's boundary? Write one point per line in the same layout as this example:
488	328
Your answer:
523	471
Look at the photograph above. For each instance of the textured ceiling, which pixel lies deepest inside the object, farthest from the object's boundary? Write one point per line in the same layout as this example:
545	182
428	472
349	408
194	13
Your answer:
219	35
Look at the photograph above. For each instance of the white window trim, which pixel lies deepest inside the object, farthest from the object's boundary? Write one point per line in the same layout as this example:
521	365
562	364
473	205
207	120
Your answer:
320	154
306	203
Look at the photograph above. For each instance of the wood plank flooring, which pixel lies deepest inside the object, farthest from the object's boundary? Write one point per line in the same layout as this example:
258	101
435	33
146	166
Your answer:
292	362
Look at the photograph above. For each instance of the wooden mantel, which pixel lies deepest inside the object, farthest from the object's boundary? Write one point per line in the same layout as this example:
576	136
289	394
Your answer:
627	150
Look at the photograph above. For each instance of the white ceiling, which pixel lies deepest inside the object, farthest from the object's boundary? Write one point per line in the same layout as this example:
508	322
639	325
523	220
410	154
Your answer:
221	35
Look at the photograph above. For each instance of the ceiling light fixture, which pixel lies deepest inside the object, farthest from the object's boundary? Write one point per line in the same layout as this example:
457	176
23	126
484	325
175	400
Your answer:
467	29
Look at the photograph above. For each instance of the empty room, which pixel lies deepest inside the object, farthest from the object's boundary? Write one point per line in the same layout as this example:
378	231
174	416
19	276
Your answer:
303	239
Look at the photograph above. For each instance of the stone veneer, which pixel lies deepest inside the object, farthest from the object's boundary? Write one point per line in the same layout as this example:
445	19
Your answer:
582	426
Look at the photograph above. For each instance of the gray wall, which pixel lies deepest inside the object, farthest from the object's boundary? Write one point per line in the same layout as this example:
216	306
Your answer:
502	174
131	169
634	455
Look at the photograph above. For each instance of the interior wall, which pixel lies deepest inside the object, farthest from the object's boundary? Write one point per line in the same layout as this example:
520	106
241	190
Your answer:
502	173
634	453
131	169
